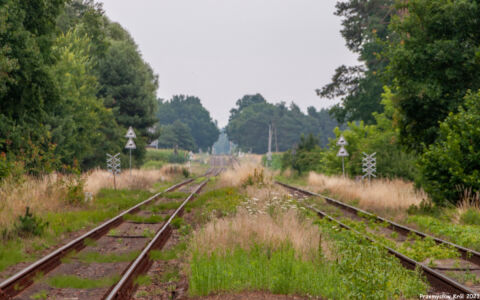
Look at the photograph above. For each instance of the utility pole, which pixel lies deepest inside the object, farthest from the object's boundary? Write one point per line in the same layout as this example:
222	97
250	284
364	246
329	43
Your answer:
269	154
276	142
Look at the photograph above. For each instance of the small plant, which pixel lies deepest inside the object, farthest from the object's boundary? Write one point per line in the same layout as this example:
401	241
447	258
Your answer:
29	224
185	172
258	178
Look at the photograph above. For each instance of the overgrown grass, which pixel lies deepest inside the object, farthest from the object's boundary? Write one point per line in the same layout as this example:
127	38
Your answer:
415	247
107	204
464	235
164	206
75	282
219	202
363	272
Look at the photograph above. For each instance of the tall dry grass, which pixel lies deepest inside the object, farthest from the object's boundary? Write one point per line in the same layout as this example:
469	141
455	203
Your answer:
380	194
41	195
244	230
139	179
49	193
240	173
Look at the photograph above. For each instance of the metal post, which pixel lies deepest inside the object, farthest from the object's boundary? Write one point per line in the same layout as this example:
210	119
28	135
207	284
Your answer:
130	162
343	166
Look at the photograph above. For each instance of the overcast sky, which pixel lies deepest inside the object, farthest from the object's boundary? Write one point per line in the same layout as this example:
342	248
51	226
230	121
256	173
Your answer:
220	50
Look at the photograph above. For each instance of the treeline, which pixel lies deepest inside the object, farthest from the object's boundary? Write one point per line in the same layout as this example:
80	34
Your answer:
250	119
423	56
71	82
185	123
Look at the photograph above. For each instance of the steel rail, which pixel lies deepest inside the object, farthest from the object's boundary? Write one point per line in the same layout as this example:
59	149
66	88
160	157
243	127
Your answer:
126	285
436	279
466	253
15	284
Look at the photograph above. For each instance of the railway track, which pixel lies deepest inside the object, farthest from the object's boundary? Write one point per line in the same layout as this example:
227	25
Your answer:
122	236
439	280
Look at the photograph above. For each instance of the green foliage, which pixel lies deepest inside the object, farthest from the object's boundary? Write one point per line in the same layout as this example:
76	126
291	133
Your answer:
452	164
365	30
189	111
471	217
464	235
177	134
362	272
167	156
382	138
79	120
216	203
185	172
249	121
29	224
128	85
434	60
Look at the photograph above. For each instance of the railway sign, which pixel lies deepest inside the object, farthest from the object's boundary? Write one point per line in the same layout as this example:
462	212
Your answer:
342	152
113	166
130	133
130	144
369	165
342	141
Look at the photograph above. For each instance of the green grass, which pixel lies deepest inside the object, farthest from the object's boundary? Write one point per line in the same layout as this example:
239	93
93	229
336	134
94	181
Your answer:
153	164
169	254
75	282
471	217
363	272
143	280
107	204
164	206
414	247
95	257
221	202
140	219
464	235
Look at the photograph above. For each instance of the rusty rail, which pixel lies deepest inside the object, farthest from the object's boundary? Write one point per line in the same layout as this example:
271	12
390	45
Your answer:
126	285
24	278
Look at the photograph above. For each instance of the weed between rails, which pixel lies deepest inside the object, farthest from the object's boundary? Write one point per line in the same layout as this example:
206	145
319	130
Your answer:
75	282
415	247
464	235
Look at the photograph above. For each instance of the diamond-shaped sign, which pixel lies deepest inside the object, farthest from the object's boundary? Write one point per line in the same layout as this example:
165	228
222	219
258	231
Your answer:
130	144
342	141
342	152
130	134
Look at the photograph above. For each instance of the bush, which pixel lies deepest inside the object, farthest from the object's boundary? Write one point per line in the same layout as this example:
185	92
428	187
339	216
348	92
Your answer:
452	163
29	224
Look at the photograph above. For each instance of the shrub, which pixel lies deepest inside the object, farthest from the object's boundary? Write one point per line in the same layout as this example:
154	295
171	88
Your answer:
185	172
453	161
29	224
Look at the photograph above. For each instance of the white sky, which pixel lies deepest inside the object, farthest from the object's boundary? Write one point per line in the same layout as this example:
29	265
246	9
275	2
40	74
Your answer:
220	50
